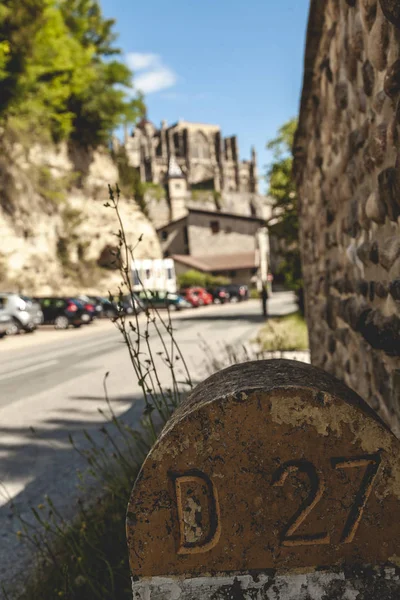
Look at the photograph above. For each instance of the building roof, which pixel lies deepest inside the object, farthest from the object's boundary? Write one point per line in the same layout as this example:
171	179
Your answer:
217	213
193	124
213	213
219	262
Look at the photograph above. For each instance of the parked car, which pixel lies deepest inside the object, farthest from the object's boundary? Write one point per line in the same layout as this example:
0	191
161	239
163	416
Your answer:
127	305
92	305
219	294
88	310
24	312
237	293
149	299
5	319
109	309
197	296
62	312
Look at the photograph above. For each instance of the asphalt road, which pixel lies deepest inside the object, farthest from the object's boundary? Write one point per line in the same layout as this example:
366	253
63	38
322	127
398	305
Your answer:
51	385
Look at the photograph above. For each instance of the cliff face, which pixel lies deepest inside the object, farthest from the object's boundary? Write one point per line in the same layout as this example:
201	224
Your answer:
54	227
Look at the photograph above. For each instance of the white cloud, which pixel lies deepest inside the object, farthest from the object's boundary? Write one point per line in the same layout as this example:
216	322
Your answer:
153	74
138	61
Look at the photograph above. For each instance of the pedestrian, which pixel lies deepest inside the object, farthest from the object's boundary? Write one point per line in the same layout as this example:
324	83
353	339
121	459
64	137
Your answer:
264	299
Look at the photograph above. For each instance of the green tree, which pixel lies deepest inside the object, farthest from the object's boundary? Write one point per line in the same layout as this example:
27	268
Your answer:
19	22
58	73
58	67
282	190
107	101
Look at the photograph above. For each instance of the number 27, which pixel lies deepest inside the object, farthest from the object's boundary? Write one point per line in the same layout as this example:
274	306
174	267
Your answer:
317	484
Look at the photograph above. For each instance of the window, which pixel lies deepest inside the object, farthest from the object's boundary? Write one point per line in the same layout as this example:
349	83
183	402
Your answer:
170	274
148	273
177	186
200	147
164	235
136	278
228	230
214	226
232	273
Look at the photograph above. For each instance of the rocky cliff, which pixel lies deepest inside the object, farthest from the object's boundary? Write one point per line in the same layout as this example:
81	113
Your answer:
55	231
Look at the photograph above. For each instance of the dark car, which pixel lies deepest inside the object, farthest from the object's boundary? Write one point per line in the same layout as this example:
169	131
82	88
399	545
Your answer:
126	305
149	299
92	305
109	309
219	294
237	293
62	312
88	309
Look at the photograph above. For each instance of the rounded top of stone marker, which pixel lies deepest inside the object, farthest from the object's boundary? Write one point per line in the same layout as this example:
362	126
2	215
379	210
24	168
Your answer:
267	465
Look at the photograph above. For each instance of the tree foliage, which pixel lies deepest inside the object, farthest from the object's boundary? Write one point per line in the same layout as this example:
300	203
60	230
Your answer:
58	71
282	190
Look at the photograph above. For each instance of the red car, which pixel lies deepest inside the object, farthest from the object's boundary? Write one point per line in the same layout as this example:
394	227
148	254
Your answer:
197	296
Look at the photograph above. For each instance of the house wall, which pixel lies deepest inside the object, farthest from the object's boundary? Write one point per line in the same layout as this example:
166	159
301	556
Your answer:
175	242
235	235
347	165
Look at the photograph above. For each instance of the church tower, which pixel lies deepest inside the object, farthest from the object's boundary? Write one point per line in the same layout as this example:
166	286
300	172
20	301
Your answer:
177	190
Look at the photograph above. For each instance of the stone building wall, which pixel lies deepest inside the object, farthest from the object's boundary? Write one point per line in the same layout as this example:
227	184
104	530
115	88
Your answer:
233	235
347	166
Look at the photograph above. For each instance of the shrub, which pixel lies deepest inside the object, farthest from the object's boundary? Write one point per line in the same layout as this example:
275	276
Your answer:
197	278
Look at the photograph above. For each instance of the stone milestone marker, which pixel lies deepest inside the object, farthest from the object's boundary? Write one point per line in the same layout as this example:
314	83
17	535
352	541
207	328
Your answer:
272	480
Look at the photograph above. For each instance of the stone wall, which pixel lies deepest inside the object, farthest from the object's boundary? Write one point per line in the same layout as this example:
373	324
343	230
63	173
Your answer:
234	235
347	166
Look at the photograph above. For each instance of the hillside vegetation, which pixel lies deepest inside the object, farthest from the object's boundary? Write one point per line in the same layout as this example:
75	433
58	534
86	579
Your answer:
64	90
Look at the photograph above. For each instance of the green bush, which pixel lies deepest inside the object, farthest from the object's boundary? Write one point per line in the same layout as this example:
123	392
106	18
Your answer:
197	278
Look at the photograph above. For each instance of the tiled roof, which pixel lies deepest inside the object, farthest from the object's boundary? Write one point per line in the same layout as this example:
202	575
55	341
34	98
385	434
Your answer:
219	262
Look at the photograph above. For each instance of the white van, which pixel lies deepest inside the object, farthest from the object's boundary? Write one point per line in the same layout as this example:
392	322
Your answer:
157	275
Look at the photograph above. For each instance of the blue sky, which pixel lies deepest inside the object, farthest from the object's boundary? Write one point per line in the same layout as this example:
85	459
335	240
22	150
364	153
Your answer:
235	64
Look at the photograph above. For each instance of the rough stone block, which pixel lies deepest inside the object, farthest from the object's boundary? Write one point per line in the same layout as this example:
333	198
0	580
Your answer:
382	333
368	10
394	290
389	252
391	10
274	481
378	42
392	80
388	192
375	209
368	75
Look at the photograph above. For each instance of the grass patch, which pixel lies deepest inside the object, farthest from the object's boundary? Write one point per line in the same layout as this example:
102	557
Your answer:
284	334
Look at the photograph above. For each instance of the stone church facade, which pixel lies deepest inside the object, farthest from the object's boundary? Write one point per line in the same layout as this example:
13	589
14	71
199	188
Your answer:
207	159
212	212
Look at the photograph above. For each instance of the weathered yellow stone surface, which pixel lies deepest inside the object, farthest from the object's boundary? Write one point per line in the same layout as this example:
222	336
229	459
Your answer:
267	465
